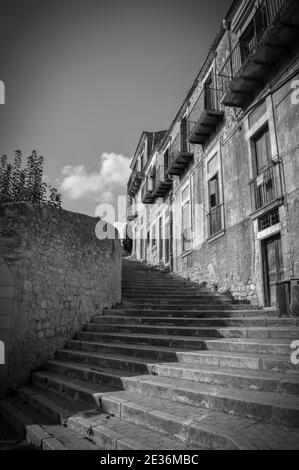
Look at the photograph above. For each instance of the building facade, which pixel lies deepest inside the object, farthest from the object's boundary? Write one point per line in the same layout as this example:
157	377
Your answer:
215	197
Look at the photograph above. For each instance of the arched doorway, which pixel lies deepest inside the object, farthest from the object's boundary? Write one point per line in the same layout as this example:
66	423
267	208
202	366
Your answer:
6	310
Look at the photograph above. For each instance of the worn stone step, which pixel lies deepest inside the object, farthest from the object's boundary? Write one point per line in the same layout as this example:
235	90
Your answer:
69	381
93	368
197	331
114	433
260	380
233	359
267	407
207	313
178	306
148	296
189	321
40	431
198	426
280	346
128	364
192	300
49	403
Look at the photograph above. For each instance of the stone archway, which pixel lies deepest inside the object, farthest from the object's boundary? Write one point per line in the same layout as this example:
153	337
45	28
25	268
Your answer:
6	311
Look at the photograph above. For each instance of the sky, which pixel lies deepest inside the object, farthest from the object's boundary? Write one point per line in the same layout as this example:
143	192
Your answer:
84	78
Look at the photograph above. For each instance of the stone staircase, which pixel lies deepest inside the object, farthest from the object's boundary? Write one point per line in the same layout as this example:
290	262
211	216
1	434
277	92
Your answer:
173	367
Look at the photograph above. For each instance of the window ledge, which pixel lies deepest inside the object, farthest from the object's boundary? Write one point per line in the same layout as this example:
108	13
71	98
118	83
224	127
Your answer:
216	236
186	253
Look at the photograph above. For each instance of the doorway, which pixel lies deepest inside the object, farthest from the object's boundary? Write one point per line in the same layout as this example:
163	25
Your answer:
272	268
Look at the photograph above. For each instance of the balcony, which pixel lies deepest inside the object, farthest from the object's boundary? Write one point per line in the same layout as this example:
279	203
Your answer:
204	116
134	182
131	213
162	182
179	155
215	220
266	187
147	191
265	43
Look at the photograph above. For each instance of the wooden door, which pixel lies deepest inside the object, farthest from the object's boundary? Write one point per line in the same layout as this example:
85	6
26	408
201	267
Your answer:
273	268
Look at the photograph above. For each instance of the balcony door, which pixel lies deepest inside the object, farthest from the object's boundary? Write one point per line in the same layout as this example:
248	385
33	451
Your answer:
215	223
253	33
209	96
272	268
265	184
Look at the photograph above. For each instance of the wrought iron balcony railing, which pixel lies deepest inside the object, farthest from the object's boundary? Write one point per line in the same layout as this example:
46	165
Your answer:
266	187
258	50
179	155
131	213
215	220
162	181
147	191
205	115
134	182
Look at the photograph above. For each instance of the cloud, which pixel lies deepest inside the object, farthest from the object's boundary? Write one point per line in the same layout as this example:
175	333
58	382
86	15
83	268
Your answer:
103	185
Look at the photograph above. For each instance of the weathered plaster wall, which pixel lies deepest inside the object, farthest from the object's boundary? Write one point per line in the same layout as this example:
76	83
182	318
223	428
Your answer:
55	275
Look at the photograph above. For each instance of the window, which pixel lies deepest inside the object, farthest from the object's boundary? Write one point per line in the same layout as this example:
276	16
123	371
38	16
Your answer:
167	242
160	240
209	102
215	208
269	220
186	221
262	151
166	160
153	236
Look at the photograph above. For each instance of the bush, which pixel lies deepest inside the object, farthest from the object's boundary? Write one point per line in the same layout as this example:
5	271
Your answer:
19	184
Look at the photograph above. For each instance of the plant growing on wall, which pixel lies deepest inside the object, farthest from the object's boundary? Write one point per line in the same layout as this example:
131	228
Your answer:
26	184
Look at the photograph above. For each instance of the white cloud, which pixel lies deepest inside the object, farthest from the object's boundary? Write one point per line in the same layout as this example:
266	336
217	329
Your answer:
103	185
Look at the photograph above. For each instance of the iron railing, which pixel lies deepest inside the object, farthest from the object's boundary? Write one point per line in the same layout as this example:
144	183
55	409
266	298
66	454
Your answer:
136	176
179	145
266	187
215	220
265	16
209	99
147	189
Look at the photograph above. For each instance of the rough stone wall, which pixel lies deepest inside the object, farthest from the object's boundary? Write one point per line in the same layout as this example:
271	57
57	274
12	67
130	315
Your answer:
62	275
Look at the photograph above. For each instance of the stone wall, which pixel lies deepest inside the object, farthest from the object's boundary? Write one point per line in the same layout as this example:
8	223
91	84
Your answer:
54	276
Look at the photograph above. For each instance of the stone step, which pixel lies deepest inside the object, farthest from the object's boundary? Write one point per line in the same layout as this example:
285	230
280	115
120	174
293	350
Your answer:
208	313
264	406
100	361
197	331
95	367
231	359
114	433
175	306
70	381
183	301
95	429
50	403
259	380
189	321
40	431
271	346
199	426
274	407
148	296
